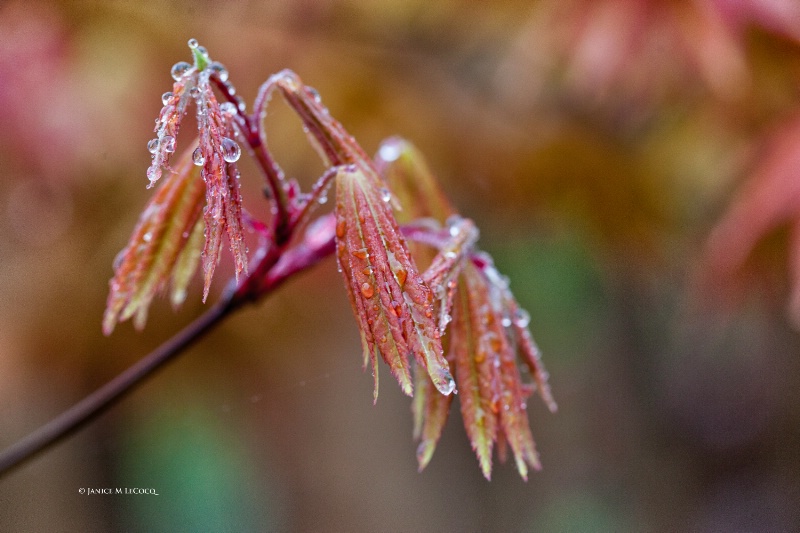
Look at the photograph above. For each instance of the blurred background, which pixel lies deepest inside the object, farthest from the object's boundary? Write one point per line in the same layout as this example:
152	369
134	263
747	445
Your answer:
597	144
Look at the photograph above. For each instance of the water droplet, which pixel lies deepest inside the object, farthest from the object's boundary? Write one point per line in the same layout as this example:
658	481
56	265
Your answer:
119	258
197	157
219	70
168	143
323	199
192	43
229	108
152	146
166	97
367	290
386	195
194	92
230	150
147	237
153	173
496	343
449	386
506	322
314	94
389	152
179	70
401	275
521	318
450	254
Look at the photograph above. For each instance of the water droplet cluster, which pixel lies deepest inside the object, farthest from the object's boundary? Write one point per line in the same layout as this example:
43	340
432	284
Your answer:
192	83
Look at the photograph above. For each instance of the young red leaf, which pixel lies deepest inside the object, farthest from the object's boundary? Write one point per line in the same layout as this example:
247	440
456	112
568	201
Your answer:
430	409
152	254
488	328
392	303
476	375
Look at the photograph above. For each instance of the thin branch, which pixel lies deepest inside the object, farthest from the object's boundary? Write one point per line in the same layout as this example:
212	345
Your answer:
109	394
317	245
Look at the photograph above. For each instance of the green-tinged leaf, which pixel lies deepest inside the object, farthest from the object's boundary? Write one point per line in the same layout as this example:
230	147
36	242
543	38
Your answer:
164	227
187	263
430	409
475	371
411	181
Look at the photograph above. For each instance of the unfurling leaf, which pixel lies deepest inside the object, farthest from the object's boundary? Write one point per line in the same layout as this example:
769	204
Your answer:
430	409
391	301
487	328
161	246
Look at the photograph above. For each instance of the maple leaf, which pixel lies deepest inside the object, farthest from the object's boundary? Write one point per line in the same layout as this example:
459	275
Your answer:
393	304
487	329
164	245
169	235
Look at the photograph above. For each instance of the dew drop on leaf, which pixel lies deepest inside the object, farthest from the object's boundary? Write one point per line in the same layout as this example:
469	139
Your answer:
152	146
228	108
179	69
197	157
166	97
168	143
385	194
314	94
449	387
401	275
389	152
521	318
367	290
230	150
220	70
192	43
118	259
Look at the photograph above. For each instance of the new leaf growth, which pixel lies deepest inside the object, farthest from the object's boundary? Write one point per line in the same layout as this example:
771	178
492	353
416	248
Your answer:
390	216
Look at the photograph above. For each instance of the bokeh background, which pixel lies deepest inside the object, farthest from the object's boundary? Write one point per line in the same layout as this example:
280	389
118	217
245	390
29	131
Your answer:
595	143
